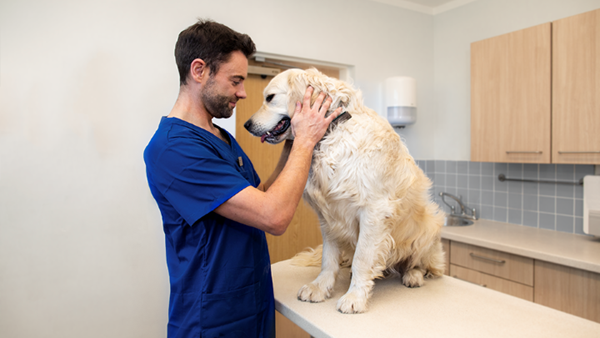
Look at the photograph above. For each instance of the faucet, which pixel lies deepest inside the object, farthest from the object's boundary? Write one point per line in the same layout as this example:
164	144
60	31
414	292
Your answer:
463	207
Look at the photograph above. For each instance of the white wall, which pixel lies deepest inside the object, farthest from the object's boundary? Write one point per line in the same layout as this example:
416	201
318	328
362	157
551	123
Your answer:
82	87
454	32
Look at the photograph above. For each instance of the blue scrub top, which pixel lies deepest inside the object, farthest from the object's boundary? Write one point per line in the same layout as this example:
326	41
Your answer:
219	270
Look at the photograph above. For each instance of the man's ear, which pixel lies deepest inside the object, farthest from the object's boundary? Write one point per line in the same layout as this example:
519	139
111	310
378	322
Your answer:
198	70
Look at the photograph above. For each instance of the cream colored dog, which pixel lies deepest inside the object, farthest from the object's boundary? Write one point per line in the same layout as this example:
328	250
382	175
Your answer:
371	198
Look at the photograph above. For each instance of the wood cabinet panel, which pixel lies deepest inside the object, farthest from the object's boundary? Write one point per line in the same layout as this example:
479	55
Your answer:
495	283
568	289
510	97
576	89
508	266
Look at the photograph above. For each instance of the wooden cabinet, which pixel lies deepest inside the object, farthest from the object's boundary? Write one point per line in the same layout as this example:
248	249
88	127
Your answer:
535	94
563	288
507	273
510	97
567	289
576	89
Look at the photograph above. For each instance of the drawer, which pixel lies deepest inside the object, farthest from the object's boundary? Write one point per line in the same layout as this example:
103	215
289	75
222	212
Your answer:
491	282
496	263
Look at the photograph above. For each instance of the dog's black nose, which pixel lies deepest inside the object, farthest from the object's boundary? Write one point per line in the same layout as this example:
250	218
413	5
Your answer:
248	125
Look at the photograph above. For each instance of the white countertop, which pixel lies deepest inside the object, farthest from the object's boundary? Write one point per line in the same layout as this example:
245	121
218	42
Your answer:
577	251
442	307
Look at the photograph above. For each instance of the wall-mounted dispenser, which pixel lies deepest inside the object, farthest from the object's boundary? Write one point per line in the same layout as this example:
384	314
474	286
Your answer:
401	100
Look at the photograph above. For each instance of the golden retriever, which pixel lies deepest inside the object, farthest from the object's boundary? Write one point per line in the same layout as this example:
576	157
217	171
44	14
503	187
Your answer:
371	198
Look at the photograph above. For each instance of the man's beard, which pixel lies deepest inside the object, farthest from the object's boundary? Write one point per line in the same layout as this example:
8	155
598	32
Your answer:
217	105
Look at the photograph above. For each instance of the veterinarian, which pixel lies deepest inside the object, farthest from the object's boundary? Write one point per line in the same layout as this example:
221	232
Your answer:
214	208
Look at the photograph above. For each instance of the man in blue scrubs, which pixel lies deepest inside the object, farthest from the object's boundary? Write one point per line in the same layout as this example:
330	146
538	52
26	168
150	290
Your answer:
215	210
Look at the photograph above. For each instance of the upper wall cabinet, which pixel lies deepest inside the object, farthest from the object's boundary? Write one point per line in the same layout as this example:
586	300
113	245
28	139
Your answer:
510	97
576	89
535	94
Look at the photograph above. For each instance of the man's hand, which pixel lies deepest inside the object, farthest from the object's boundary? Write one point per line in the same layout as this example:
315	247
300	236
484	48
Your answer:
309	124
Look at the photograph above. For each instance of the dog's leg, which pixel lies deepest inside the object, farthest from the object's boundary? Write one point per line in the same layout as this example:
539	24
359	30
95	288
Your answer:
321	288
368	264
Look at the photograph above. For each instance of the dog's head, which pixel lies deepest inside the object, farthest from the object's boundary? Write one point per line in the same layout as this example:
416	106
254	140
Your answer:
273	120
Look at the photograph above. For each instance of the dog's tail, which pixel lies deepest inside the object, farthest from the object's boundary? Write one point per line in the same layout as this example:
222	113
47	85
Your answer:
308	257
312	257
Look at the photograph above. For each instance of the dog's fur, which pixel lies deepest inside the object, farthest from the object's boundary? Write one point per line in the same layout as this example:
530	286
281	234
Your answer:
371	198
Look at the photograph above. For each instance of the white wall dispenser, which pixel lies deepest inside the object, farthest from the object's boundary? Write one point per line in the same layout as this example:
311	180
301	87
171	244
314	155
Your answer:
401	100
591	205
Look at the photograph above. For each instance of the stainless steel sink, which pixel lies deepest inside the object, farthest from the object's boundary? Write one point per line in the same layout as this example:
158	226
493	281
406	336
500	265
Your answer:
453	221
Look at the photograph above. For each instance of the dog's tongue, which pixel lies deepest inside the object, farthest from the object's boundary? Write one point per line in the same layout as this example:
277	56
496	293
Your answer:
262	138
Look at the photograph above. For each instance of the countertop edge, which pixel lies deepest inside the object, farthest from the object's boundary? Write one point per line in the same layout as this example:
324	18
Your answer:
523	247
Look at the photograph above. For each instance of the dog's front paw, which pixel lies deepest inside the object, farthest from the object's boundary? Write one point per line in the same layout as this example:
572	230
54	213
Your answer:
413	278
352	302
313	293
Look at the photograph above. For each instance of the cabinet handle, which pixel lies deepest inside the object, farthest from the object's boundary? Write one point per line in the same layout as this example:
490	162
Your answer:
579	152
487	258
468	281
523	152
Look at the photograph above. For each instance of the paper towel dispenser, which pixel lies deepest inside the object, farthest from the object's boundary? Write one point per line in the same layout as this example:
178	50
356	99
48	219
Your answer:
401	100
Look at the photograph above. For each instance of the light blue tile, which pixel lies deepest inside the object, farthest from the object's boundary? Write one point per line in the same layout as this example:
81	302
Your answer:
451	180
579	226
474	198
440	179
515	216
583	169
579	208
547	172
462	167
547	221
530	203
530	219
462	181
500	199
579	191
530	171
564	206
500	214
547	204
487	169
547	189
530	188
515	187
565	224
500	168
486	212
487	197
500	186
515	201
563	190
474	168
565	172
487	183
475	182
515	170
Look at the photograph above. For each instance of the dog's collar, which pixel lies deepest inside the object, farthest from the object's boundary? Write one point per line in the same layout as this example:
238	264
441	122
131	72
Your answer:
343	117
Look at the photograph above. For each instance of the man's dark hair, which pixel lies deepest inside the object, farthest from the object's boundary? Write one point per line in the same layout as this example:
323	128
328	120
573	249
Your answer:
211	42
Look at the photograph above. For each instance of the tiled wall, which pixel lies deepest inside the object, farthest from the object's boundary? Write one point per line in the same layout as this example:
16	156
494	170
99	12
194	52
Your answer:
541	205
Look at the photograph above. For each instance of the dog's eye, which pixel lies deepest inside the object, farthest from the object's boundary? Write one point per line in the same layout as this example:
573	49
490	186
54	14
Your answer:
270	97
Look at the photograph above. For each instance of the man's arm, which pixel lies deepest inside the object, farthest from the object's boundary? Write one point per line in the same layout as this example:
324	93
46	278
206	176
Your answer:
272	210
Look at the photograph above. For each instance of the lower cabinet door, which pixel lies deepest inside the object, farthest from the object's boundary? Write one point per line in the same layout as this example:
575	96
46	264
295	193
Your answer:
495	283
568	289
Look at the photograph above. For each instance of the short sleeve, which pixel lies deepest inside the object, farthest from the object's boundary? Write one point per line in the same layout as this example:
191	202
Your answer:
203	186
